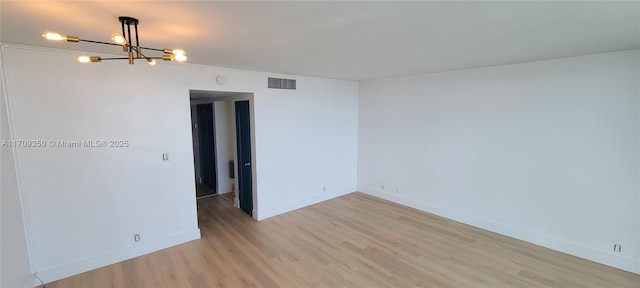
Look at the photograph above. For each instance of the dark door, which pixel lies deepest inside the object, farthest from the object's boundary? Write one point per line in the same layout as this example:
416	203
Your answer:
243	139
205	142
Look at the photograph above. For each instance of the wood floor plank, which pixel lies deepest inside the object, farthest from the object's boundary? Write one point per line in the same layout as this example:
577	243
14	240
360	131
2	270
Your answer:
352	241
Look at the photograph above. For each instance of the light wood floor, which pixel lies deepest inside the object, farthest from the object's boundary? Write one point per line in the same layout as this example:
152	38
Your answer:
351	241
229	197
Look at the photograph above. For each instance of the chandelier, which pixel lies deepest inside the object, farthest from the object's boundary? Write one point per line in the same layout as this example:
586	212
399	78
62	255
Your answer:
125	40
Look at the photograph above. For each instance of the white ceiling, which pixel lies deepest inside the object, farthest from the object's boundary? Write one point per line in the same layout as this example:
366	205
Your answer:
344	40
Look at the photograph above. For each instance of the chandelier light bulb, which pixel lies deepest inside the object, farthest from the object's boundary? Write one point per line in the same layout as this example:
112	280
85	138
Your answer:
152	62
84	59
118	39
54	37
180	57
179	52
87	59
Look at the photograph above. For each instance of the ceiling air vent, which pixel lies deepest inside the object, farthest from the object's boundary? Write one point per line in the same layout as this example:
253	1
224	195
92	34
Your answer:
280	83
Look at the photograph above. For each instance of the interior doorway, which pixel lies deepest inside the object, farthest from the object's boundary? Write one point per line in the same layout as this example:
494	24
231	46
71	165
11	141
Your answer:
232	148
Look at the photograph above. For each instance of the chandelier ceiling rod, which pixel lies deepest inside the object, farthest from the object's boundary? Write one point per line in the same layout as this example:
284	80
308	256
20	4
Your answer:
125	41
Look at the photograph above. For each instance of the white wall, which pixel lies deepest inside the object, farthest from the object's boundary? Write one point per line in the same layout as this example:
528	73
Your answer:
224	144
547	152
15	266
306	140
85	204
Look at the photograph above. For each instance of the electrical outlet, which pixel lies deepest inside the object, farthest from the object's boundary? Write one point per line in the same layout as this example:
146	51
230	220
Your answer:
382	187
324	188
617	248
136	237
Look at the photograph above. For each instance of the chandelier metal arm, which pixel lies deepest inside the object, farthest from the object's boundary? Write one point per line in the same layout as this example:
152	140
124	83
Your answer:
99	42
140	54
120	45
136	27
152	49
129	34
122	22
114	58
125	58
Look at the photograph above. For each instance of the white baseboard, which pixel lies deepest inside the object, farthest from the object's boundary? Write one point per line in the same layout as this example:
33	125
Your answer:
75	268
624	263
264	214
